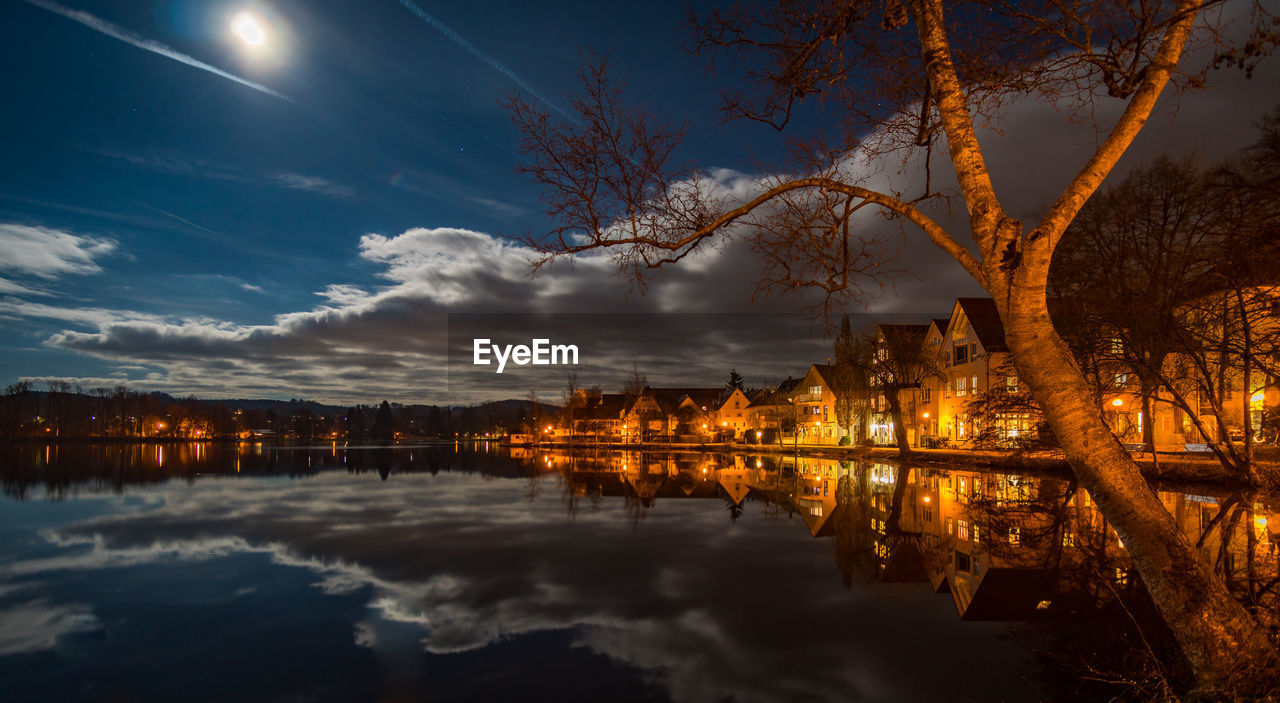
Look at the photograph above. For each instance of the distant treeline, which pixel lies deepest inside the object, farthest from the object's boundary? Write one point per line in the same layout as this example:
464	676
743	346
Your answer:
66	411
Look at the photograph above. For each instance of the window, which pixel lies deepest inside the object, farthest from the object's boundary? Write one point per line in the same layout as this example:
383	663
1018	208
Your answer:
951	525
947	360
1015	535
825	414
815	390
947	393
1122	577
975	533
974	386
925	393
961	384
964	562
973	350
1068	538
962	529
928	514
962	354
1011	383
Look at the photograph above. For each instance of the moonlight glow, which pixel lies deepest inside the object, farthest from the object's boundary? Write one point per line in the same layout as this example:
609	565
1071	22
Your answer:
248	29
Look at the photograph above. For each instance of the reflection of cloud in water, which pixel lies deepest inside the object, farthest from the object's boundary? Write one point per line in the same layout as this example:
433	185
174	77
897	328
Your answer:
473	561
36	625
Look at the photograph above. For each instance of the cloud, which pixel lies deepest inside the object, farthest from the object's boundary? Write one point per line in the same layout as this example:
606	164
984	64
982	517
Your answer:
98	24
251	288
313	184
8	287
388	336
48	253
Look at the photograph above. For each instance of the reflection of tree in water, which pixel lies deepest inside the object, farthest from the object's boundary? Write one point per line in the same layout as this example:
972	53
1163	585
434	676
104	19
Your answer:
1039	552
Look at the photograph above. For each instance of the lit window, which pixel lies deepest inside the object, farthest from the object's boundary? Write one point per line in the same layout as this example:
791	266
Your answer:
1122	576
962	529
1015	535
951	526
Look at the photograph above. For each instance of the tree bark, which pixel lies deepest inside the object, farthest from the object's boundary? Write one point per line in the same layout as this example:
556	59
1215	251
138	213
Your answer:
1217	635
899	427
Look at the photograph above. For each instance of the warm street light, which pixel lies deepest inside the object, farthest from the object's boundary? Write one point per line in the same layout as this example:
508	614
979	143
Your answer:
925	415
1117	402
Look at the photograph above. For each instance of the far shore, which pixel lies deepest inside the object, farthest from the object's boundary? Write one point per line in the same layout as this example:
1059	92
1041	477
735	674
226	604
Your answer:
1170	466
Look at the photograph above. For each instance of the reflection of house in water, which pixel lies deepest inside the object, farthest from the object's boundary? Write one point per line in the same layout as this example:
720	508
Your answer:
1002	546
1005	546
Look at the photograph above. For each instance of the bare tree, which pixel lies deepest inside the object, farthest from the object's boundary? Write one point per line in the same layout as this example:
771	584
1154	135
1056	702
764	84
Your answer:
853	393
905	73
893	358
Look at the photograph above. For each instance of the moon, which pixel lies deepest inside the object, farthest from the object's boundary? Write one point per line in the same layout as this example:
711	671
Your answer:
248	29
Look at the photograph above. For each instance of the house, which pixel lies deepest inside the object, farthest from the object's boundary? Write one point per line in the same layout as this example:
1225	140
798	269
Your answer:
732	413
671	411
770	411
927	397
601	417
972	358
815	402
892	340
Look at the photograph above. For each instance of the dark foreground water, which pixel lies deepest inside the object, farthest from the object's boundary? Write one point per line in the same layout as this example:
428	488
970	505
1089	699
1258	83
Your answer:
217	572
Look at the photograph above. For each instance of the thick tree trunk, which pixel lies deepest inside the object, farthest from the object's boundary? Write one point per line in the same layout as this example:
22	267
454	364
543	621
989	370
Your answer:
899	427
1218	637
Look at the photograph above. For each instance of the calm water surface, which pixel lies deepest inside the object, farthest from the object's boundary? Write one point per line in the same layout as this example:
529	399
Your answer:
252	572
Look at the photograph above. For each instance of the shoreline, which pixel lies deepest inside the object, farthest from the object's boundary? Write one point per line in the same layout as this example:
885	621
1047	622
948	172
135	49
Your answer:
1173	467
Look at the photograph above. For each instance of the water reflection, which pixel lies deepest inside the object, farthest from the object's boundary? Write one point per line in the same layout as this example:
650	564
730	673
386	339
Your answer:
694	577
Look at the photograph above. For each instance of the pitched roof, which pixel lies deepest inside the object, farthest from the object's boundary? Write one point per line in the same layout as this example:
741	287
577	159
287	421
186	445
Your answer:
984	320
826	371
608	406
764	398
670	398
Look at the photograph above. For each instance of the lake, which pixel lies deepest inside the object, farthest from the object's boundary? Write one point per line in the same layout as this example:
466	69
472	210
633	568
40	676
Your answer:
478	572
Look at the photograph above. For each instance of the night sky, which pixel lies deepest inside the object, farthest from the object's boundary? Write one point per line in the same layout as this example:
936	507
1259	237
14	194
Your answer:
182	210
